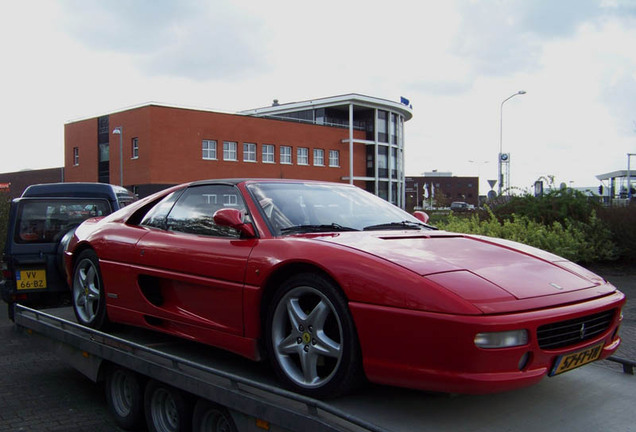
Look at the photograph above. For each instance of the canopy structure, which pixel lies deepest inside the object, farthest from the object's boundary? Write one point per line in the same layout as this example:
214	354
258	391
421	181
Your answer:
617	182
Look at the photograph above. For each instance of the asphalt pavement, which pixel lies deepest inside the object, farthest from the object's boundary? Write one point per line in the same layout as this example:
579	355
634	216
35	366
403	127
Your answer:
624	278
40	393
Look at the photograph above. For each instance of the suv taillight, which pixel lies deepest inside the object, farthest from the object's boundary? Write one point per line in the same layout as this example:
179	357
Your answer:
6	273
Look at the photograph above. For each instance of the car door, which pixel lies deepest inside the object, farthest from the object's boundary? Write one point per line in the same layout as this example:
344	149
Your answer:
193	271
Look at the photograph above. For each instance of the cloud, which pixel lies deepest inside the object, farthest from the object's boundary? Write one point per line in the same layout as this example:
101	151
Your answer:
184	39
504	37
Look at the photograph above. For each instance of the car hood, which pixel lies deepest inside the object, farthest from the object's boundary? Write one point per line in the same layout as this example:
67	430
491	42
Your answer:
522	271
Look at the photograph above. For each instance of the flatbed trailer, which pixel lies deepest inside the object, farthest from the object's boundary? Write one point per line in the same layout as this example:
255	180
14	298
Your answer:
247	398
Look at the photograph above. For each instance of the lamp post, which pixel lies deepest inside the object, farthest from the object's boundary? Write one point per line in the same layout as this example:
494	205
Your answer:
499	161
479	164
629	176
119	130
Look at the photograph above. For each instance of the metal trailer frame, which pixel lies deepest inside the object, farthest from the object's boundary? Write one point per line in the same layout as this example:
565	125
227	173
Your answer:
87	349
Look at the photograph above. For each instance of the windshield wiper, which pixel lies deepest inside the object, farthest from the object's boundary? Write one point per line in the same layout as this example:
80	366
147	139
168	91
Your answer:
397	226
315	228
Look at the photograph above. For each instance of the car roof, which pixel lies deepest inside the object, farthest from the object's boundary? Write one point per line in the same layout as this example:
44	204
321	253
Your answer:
235	181
75	190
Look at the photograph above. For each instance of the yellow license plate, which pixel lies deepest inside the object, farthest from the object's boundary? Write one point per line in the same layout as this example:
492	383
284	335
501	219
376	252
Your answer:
31	279
568	362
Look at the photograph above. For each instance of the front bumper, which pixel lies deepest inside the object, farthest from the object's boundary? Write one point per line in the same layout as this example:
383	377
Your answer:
436	352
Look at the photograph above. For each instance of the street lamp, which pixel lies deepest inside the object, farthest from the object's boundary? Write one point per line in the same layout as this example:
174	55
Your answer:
119	130
499	161
479	164
629	176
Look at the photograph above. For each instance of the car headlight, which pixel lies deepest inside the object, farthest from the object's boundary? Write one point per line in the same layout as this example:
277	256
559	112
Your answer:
505	339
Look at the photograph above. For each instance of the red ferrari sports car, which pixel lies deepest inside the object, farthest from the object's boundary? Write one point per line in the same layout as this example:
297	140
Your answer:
333	284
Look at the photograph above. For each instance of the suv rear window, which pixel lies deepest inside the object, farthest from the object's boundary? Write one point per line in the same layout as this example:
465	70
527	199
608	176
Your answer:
47	221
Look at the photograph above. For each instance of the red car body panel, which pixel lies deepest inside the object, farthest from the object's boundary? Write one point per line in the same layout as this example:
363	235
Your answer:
418	299
436	351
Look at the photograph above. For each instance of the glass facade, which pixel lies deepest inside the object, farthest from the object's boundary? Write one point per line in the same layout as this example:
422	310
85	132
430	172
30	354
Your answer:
382	147
385	157
103	147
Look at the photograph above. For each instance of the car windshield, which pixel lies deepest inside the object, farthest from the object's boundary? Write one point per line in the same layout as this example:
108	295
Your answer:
292	208
46	221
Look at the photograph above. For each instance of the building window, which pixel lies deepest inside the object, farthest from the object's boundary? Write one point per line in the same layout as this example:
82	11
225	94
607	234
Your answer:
209	149
76	156
382	126
302	156
334	158
249	152
319	157
383	161
393	163
393	125
135	148
268	153
285	155
230	200
229	150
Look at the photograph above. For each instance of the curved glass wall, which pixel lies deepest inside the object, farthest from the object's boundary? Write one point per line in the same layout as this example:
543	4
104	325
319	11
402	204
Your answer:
385	157
383	126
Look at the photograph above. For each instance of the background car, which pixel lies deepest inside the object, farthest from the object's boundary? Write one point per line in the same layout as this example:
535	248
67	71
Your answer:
333	284
460	206
41	223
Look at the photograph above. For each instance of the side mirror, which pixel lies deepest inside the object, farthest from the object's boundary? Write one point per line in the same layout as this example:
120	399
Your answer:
422	216
233	218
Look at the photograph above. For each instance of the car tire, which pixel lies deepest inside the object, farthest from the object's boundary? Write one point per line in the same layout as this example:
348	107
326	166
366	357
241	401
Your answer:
211	417
311	338
167	409
125	397
87	292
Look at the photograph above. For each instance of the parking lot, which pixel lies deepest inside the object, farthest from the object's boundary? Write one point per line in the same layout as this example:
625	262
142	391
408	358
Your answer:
38	392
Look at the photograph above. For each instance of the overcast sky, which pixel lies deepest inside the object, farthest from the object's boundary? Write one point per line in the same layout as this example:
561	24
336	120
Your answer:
456	61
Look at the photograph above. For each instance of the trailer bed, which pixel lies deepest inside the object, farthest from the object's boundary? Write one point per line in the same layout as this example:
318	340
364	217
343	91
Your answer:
595	397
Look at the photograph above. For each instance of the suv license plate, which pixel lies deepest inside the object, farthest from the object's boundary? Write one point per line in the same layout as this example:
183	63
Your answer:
31	279
568	362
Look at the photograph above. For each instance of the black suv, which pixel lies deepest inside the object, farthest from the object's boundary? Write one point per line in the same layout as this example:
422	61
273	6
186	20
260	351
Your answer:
41	223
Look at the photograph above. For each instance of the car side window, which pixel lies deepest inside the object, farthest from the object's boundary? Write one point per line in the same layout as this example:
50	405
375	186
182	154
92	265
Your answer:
156	216
194	211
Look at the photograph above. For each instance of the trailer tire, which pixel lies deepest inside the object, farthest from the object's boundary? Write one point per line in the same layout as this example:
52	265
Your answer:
125	397
167	408
87	292
211	417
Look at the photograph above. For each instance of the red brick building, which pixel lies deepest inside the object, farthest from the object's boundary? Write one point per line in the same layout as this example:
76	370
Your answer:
14	183
351	138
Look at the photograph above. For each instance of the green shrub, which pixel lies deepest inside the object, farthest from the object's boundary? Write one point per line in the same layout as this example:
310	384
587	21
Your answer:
4	220
621	221
557	205
575	240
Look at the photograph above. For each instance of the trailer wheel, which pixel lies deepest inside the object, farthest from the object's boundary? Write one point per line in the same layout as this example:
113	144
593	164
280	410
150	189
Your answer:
210	417
311	338
89	300
125	398
167	409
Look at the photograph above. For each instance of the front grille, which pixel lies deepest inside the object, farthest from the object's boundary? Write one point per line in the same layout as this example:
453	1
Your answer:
565	333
